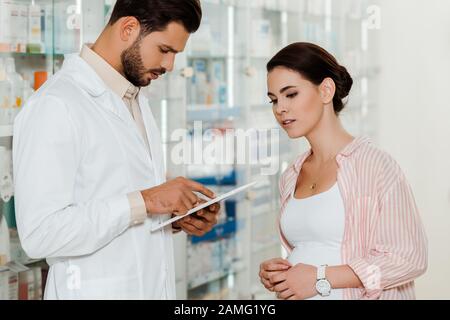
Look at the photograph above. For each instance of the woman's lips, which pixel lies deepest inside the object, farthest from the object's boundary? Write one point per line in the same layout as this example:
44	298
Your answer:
287	123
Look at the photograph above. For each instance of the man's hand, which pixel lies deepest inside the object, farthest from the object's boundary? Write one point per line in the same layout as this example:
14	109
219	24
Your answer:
174	197
200	222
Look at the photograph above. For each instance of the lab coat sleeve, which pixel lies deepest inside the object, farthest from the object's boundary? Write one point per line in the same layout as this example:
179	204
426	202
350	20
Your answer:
138	208
46	154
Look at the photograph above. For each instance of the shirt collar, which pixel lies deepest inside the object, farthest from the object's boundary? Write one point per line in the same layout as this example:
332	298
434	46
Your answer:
345	152
110	76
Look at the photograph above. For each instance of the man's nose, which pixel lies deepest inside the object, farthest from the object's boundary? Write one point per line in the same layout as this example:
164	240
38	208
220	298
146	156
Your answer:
168	62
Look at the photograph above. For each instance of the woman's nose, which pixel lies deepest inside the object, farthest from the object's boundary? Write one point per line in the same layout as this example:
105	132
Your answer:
280	108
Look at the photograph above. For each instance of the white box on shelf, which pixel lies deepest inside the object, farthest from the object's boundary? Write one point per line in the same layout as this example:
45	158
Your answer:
4	241
202	39
26	285
47	28
261	37
4	285
13	285
34	24
22	30
37	283
5	25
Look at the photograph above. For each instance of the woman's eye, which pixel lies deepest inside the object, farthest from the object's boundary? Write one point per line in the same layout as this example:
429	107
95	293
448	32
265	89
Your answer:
273	101
163	51
292	95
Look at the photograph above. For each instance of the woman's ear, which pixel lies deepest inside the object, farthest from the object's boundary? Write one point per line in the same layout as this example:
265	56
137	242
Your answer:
327	90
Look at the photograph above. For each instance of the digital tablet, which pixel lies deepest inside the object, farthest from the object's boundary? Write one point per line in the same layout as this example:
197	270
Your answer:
204	205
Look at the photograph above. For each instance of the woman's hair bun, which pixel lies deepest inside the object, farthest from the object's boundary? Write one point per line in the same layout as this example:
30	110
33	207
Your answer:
345	83
315	64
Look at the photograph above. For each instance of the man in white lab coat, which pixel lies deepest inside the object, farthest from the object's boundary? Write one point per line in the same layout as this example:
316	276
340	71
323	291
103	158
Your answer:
88	163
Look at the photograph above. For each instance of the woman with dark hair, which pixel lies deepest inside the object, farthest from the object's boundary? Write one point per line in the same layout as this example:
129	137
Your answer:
348	216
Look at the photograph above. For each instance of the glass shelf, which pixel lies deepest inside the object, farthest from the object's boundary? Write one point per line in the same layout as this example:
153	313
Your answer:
6	131
212	113
215	275
30	54
28	263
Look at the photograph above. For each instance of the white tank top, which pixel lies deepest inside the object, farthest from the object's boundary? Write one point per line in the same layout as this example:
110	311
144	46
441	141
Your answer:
315	228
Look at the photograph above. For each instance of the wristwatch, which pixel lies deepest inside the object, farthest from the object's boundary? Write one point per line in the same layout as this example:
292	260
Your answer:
323	286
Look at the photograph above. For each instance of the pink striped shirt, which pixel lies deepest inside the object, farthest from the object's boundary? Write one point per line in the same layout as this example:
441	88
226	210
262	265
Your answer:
384	240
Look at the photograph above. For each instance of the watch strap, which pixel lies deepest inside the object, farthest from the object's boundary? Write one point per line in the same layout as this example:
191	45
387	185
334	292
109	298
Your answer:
321	272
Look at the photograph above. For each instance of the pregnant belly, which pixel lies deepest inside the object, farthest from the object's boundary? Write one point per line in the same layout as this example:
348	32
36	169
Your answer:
317	255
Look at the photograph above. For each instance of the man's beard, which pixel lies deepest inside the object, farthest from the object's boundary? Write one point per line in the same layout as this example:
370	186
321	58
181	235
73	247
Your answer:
133	66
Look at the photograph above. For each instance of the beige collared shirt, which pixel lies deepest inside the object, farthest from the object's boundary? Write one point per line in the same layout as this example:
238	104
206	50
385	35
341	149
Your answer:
129	94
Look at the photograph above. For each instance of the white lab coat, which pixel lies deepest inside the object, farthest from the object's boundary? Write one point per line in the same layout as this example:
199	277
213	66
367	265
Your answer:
77	154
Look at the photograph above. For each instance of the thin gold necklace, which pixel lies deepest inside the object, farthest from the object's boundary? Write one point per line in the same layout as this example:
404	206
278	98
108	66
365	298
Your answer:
313	186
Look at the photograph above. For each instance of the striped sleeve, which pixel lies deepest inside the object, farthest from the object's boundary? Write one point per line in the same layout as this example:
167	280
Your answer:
399	251
288	175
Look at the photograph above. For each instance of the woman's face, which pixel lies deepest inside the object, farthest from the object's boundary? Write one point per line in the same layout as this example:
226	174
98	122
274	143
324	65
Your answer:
297	104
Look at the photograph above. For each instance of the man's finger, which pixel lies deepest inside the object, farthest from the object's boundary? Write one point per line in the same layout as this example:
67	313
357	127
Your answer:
192	197
214	208
181	208
187	203
208	217
195	186
199	225
190	229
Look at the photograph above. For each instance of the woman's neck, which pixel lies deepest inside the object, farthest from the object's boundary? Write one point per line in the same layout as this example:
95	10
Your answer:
328	138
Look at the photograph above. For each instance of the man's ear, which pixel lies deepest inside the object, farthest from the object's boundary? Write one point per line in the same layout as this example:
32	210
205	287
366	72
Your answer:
327	90
129	29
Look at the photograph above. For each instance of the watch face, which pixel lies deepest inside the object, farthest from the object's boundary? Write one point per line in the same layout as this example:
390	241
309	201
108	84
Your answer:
323	286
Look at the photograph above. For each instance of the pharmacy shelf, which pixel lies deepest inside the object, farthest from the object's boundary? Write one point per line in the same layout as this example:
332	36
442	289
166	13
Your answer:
212	113
207	56
266	106
266	244
211	56
6	131
31	54
215	275
26	264
219	231
261	210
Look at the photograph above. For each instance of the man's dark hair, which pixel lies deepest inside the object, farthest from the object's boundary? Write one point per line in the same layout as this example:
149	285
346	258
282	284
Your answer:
155	15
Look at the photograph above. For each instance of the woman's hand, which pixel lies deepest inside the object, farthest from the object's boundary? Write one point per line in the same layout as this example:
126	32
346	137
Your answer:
270	268
297	283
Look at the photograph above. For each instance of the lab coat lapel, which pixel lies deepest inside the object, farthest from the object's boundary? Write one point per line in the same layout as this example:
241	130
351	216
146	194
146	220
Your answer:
88	79
154	139
111	102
